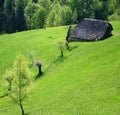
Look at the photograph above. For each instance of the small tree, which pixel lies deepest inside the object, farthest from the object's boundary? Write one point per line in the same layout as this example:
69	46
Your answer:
32	57
67	45
61	48
18	81
39	65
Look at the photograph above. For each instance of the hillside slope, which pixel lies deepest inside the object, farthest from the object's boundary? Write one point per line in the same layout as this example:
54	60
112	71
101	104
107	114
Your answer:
85	81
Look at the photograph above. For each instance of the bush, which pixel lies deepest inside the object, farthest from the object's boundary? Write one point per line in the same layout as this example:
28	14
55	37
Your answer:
115	16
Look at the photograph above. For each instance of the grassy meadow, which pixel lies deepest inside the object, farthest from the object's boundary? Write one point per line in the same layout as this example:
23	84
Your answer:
85	82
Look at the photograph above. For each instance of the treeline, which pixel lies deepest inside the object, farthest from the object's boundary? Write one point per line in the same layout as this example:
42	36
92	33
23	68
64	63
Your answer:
20	15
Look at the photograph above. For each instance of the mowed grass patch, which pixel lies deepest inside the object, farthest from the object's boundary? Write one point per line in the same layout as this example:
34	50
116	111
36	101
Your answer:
86	81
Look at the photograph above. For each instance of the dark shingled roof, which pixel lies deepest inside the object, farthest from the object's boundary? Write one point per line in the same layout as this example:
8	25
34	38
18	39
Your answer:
90	30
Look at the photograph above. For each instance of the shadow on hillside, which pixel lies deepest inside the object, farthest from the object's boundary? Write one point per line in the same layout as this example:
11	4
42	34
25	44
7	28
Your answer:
60	60
57	61
38	76
73	47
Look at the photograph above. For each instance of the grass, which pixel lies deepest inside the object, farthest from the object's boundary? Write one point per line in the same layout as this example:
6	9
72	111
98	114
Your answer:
85	81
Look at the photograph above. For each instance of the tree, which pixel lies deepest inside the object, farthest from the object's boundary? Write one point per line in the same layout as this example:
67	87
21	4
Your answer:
39	18
18	81
9	20
66	15
105	8
1	15
83	8
60	46
55	16
30	9
45	4
74	17
35	1
20	19
32	57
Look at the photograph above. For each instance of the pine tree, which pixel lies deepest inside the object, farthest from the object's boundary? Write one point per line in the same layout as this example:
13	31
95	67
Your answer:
9	19
20	19
1	15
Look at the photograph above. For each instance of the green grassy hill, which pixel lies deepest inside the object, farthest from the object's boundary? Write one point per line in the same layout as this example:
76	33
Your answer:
85	82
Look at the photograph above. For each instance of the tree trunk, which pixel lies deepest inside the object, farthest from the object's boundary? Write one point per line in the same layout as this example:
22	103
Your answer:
39	65
21	106
61	53
40	71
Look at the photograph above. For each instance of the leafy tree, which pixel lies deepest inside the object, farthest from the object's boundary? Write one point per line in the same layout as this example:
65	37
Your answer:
45	4
60	46
32	57
105	8
66	14
26	2
53	12
9	20
86	9
20	19
50	19
18	81
55	16
30	9
74	17
39	18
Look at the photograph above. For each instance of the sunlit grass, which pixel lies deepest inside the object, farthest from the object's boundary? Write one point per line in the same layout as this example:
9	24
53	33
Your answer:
85	81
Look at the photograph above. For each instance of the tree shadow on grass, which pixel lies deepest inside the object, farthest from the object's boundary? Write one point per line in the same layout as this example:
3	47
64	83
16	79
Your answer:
60	60
57	61
72	48
38	76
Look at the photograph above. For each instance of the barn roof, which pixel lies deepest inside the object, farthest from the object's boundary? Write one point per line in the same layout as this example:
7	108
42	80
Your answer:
90	30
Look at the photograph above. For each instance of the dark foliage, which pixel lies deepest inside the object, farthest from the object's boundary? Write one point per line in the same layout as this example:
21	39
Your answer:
1	15
35	1
20	19
48	13
9	17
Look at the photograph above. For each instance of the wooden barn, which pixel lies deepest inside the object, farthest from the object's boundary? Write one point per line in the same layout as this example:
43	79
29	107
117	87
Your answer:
90	30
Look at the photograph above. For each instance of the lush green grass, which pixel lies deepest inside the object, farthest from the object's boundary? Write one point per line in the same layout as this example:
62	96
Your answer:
86	81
